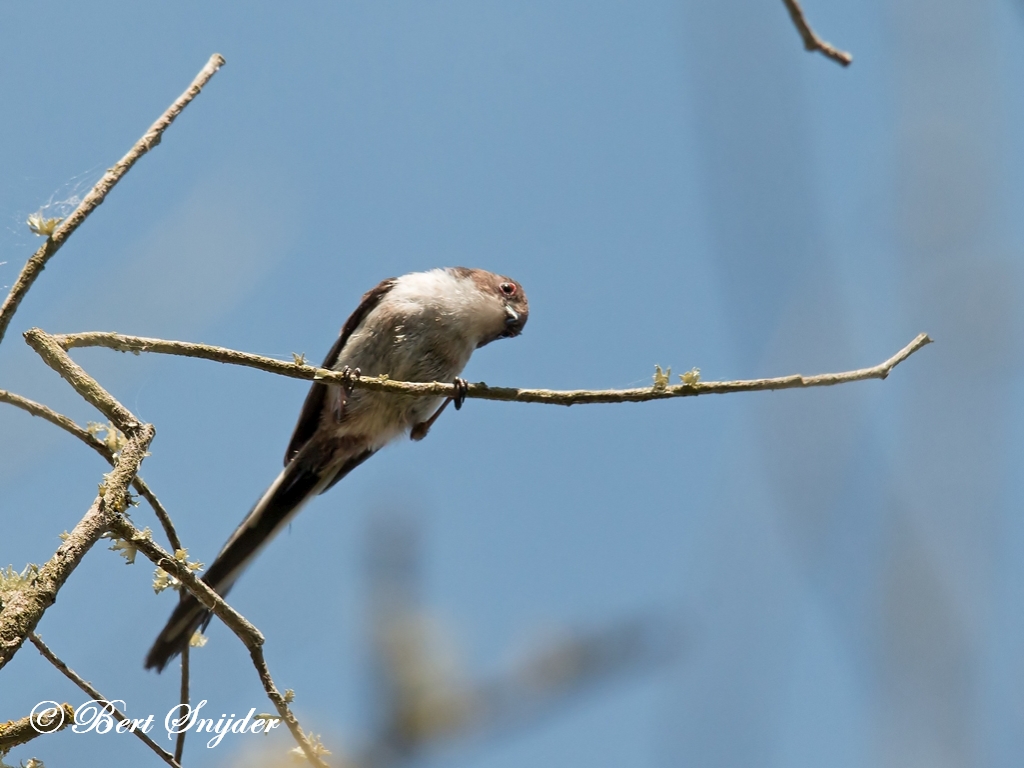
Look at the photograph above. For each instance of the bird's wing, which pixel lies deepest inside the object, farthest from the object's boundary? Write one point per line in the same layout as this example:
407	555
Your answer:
309	417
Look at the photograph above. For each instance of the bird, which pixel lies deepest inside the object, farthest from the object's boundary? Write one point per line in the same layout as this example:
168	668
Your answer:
420	327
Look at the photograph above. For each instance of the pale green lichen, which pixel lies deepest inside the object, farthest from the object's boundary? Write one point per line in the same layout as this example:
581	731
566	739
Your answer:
126	549
33	762
41	225
11	580
163	580
112	437
661	378
316	745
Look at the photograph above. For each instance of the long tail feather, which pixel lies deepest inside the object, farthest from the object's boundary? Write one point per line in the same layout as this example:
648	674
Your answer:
292	488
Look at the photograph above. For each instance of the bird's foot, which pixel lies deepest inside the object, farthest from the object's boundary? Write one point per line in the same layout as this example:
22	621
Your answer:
349	375
419	431
461	390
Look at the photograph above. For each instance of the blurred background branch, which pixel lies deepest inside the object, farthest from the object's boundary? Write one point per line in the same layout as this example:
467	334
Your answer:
422	696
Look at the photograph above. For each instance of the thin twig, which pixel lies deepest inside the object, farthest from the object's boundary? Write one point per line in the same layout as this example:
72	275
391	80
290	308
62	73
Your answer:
75	678
35	265
14	733
25	606
179	745
811	41
480	390
283	709
68	425
246	632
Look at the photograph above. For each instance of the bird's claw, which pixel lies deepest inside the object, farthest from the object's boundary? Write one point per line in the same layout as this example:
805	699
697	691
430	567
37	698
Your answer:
349	375
461	390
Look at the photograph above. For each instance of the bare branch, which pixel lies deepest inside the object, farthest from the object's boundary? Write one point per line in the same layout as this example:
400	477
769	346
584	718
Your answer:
480	390
58	419
35	265
811	41
68	425
283	709
16	732
25	606
246	632
74	677
179	744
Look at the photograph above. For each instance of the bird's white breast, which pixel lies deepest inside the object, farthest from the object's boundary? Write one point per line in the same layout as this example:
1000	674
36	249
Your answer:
424	329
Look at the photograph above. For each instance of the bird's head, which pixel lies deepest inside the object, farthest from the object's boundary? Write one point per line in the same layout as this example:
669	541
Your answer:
506	307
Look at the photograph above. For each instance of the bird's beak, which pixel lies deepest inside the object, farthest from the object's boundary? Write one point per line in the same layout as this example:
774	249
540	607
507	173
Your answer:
514	322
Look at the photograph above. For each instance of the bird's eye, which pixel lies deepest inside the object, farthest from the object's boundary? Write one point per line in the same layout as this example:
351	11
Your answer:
508	289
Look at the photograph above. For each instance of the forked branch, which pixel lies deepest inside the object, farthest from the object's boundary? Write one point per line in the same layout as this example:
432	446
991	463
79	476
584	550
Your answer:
24	607
23	610
69	426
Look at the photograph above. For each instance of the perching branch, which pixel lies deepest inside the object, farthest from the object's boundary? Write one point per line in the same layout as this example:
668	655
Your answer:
480	390
16	732
35	265
811	41
75	678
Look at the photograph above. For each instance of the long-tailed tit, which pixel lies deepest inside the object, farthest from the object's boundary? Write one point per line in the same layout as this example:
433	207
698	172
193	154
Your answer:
420	327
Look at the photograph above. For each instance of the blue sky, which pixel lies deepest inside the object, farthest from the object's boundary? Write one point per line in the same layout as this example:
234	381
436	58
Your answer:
672	182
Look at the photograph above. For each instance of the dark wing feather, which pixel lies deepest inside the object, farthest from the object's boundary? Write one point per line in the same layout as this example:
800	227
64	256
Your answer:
309	417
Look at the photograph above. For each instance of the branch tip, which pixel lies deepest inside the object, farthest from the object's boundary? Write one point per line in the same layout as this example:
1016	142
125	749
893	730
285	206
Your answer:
811	40
37	262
